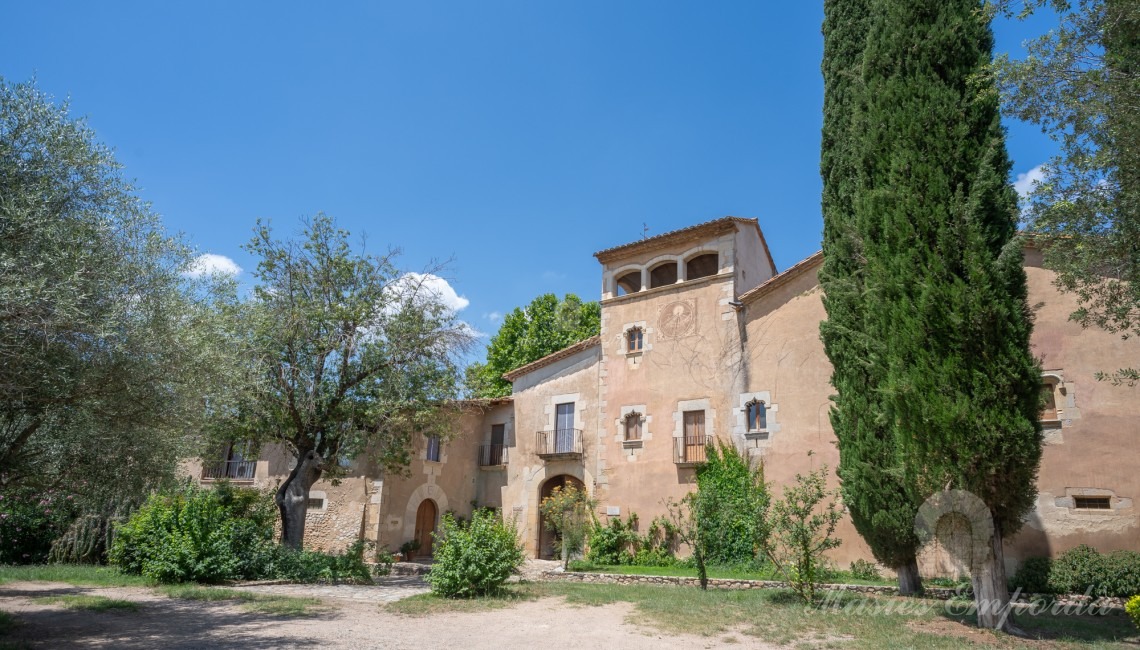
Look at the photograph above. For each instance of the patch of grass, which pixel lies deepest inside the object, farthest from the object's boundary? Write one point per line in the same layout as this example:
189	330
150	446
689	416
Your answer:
90	603
854	620
74	574
731	573
429	603
273	604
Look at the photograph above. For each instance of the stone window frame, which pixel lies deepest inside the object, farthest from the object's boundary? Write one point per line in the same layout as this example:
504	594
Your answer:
628	335
622	348
740	416
1116	503
646	428
553	401
317	494
761	416
441	457
702	404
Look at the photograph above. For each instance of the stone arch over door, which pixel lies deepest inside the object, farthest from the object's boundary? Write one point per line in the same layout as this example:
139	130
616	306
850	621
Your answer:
546	549
423	492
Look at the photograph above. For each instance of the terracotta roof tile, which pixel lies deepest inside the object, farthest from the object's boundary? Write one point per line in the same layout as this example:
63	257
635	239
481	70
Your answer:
723	221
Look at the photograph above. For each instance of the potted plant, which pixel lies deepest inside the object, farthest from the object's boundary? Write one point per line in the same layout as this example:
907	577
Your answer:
408	549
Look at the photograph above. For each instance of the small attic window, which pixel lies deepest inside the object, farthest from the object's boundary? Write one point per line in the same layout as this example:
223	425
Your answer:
629	283
702	266
663	275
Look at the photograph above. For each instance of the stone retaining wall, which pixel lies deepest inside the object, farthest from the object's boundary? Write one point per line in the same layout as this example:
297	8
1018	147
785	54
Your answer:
938	593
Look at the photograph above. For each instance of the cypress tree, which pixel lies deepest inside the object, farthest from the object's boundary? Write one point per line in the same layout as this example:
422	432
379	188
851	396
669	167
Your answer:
875	491
945	290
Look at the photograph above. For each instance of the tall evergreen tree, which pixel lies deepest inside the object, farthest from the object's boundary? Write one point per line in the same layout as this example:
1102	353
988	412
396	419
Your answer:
944	285
878	498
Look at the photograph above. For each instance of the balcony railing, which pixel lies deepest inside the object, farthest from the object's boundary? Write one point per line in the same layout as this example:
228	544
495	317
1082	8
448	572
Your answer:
492	455
690	450
559	443
234	470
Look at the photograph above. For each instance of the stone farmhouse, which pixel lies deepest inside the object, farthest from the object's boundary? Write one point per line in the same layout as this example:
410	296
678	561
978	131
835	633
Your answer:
702	338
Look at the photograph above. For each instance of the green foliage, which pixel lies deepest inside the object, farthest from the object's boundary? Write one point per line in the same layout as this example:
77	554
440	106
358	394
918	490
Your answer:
735	502
527	334
197	535
569	513
1081	84
212	535
864	570
1133	610
928	321
474	559
800	528
1081	570
1032	577
314	566
345	355
110	348
30	520
619	543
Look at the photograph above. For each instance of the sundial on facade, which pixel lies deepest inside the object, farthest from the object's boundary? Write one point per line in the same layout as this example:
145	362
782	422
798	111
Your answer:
677	319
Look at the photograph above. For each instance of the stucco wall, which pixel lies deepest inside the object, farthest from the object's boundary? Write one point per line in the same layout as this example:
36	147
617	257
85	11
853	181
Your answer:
689	361
573	379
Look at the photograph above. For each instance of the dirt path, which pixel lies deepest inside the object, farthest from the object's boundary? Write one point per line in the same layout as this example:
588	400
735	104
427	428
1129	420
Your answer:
172	624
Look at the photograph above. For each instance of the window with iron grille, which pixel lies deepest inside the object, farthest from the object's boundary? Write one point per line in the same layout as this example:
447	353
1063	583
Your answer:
1092	503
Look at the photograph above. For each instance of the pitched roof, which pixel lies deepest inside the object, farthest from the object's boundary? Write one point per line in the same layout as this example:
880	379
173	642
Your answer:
794	271
570	350
664	239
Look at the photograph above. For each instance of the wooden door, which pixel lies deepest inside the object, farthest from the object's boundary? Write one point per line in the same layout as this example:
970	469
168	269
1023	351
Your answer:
425	526
694	436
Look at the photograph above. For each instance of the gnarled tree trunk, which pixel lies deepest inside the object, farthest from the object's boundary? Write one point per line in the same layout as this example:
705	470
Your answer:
991	593
293	498
910	583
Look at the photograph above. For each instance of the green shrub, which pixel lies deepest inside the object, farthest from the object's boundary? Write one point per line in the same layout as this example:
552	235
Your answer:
30	520
1032	577
315	566
618	543
198	535
1079	570
737	500
864	570
1133	609
474	559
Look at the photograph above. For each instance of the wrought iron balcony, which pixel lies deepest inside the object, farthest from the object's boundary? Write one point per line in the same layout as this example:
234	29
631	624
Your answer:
559	444
492	455
234	470
690	450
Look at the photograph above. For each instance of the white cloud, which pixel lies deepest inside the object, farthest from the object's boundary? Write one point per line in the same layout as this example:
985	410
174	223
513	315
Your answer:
469	330
413	283
493	316
552	276
211	264
1025	182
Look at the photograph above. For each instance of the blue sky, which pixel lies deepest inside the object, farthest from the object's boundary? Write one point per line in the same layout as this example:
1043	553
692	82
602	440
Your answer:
515	137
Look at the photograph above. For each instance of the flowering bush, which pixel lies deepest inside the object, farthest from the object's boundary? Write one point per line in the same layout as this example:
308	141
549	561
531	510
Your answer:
30	521
1133	609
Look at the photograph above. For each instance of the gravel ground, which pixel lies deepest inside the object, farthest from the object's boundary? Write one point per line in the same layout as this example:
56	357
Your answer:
355	618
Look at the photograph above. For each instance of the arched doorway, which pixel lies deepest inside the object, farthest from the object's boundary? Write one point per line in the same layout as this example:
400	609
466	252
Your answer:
425	525
546	546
